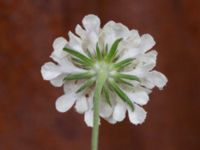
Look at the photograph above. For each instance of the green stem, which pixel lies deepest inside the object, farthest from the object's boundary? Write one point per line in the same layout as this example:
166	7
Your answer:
101	78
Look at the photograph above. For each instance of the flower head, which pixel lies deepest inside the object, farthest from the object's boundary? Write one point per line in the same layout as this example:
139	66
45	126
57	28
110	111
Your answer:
119	54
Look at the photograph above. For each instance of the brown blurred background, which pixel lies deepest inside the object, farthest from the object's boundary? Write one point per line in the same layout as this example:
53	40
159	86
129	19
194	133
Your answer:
28	119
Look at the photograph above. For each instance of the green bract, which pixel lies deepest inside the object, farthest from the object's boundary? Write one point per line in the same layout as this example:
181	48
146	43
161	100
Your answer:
103	62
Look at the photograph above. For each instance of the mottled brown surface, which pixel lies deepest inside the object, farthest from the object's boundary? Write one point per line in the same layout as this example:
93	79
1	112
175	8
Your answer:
28	119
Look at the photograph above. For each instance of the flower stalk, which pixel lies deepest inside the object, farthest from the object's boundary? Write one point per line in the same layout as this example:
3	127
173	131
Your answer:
101	78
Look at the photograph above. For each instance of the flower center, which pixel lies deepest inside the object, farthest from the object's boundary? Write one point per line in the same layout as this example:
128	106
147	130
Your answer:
107	68
102	65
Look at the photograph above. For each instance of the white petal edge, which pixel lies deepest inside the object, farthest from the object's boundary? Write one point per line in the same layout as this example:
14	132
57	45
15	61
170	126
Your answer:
118	29
50	71
75	42
81	105
147	42
58	45
113	31
137	116
119	112
111	120
71	86
105	109
129	45
139	97
91	23
157	78
65	102
58	81
80	31
88	117
148	60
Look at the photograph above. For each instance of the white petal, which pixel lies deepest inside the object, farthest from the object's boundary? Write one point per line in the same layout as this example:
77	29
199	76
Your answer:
90	99
137	72
113	31
88	117
65	102
147	42
58	45
119	112
157	78
148	60
71	86
80	31
139	97
118	29
129	45
89	36
137	116
90	41
50	71
58	81
132	40
105	109
134	37
81	104
67	66
111	120
75	42
91	23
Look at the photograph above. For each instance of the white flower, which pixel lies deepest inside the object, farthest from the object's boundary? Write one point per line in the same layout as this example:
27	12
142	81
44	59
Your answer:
125	58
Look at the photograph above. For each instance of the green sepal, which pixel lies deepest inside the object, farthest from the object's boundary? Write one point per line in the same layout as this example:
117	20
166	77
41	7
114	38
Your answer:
116	58
80	63
113	50
89	54
127	76
86	85
78	76
124	63
124	82
105	51
98	52
121	94
107	96
79	55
